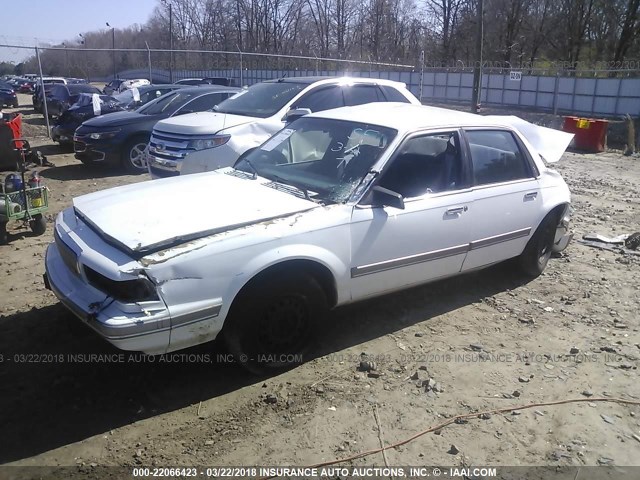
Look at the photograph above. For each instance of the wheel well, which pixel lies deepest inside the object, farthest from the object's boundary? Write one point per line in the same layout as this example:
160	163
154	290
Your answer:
321	274
557	211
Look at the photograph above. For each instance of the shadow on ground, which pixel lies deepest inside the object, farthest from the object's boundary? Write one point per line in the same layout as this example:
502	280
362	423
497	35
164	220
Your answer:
52	393
79	171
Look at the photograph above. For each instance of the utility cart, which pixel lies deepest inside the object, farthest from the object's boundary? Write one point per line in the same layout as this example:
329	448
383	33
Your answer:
21	198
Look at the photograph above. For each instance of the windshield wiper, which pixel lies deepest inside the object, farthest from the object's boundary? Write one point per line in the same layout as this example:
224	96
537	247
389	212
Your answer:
254	172
293	184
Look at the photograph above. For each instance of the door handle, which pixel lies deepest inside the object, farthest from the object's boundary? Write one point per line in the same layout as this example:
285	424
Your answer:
530	195
456	210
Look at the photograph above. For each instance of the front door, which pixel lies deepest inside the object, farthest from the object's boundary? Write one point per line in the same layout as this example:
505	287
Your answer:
394	248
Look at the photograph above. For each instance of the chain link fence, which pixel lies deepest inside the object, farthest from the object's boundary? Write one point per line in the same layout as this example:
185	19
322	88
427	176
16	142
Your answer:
602	89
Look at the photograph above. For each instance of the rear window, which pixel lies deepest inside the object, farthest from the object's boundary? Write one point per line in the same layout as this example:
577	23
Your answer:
393	95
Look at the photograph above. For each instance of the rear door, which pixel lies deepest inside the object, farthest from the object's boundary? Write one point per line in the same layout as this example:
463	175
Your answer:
507	196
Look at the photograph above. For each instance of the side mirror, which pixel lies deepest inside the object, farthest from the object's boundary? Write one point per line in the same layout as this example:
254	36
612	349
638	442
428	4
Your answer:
296	113
383	197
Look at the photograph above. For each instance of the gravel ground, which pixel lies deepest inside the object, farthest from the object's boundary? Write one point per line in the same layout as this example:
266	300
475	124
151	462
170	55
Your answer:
484	341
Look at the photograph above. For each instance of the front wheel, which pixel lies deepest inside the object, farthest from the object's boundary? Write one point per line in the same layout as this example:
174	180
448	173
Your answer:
537	253
273	320
134	155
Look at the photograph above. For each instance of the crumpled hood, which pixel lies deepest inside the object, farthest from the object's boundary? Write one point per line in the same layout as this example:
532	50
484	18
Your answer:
202	123
549	143
148	216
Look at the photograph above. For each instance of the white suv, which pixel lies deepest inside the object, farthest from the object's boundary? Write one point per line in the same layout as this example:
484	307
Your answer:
205	141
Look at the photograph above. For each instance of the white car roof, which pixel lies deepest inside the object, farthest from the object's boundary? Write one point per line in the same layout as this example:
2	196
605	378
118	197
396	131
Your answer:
407	118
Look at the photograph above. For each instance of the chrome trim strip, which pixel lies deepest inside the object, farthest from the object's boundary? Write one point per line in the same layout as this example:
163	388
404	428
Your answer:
504	237
437	254
410	260
196	316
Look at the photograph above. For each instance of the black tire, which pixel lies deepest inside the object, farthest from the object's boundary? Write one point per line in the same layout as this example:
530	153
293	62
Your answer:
66	146
38	224
537	253
3	233
273	320
133	155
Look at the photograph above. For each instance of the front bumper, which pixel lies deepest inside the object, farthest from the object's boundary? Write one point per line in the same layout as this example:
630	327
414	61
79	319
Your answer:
96	151
563	236
127	326
61	134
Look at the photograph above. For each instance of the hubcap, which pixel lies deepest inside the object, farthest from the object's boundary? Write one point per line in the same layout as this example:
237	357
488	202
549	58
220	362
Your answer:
283	325
137	155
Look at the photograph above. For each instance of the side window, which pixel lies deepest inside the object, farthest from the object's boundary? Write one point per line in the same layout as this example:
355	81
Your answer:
361	94
496	157
393	95
205	102
425	164
322	98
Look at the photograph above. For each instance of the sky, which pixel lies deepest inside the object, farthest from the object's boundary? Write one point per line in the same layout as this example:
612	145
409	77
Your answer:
57	21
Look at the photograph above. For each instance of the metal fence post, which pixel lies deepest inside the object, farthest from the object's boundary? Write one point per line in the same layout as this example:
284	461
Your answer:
555	93
44	97
149	60
241	72
421	74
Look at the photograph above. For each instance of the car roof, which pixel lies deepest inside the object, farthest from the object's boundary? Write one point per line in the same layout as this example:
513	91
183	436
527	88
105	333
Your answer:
324	79
208	88
406	117
144	88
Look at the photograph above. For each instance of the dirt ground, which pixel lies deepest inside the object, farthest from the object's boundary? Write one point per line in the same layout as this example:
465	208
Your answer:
488	340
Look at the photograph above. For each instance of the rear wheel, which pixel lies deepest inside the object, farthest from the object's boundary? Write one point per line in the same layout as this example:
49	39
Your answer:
3	232
38	224
536	254
134	153
273	320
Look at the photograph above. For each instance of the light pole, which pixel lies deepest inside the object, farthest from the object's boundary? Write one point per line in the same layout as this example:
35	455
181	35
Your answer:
113	48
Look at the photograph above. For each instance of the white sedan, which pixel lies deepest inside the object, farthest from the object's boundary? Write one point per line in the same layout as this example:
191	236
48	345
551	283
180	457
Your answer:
340	206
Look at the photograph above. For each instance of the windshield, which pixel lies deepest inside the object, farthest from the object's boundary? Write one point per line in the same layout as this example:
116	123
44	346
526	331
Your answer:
261	100
325	159
168	103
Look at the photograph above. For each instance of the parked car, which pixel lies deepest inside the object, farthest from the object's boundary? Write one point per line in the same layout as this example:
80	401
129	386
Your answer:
84	109
138	96
340	206
121	138
190	81
8	95
28	86
120	85
61	97
246	120
38	97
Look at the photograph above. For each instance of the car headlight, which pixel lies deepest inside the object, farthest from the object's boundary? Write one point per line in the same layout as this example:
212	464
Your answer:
103	135
206	143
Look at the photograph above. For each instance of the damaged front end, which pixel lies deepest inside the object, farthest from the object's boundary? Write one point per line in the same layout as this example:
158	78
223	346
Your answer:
111	295
134	305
